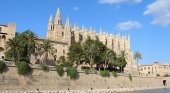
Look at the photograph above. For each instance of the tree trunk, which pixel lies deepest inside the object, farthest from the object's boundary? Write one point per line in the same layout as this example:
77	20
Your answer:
121	69
91	64
104	65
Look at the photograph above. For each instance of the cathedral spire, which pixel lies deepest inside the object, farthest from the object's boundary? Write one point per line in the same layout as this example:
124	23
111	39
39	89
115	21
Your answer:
67	22
51	18
50	23
58	12
58	17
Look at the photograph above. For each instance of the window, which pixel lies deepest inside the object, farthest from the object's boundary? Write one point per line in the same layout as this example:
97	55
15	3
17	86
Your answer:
0	29
112	44
149	72
56	50
63	45
141	69
63	51
106	42
4	36
62	34
80	37
55	57
144	68
148	67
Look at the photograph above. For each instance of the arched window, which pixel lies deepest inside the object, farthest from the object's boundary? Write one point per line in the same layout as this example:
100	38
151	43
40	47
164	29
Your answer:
62	34
64	52
51	27
106	42
80	38
72	37
112	44
4	37
55	57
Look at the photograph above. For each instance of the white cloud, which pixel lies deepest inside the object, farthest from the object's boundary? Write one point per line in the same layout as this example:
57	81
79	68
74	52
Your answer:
160	10
128	25
76	8
119	1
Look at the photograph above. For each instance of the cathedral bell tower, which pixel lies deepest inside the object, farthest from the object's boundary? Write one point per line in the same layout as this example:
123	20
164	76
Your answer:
58	17
67	31
50	27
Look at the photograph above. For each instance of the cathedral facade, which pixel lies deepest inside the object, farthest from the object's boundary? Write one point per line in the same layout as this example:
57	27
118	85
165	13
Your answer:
63	35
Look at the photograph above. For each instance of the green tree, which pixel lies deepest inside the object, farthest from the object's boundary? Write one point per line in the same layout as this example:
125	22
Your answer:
75	53
112	59
29	41
109	57
122	60
45	68
137	56
14	47
23	68
60	70
105	73
64	62
100	48
90	51
72	73
3	66
46	49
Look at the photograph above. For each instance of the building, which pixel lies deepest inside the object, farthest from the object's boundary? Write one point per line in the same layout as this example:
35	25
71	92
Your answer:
63	35
155	69
6	32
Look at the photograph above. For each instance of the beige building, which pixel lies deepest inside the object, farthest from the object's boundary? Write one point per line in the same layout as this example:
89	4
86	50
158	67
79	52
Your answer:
155	69
64	35
6	32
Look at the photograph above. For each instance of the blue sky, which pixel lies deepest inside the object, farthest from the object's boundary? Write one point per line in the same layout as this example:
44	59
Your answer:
147	21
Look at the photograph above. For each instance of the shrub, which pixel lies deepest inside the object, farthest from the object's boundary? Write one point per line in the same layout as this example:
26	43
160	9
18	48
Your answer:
60	70
158	75
130	77
23	68
166	75
45	68
115	74
105	73
72	72
2	67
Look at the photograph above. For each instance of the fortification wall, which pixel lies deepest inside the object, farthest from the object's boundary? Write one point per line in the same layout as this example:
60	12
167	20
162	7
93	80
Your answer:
51	81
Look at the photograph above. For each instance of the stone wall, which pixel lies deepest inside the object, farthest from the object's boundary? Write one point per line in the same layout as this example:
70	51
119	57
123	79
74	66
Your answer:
51	81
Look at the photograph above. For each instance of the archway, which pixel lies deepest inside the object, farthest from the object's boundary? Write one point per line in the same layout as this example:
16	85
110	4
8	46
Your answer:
1	53
3	39
164	82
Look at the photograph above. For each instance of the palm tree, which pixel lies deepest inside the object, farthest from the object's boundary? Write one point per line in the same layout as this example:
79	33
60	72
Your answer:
108	56
137	56
46	49
14	47
122	60
29	41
